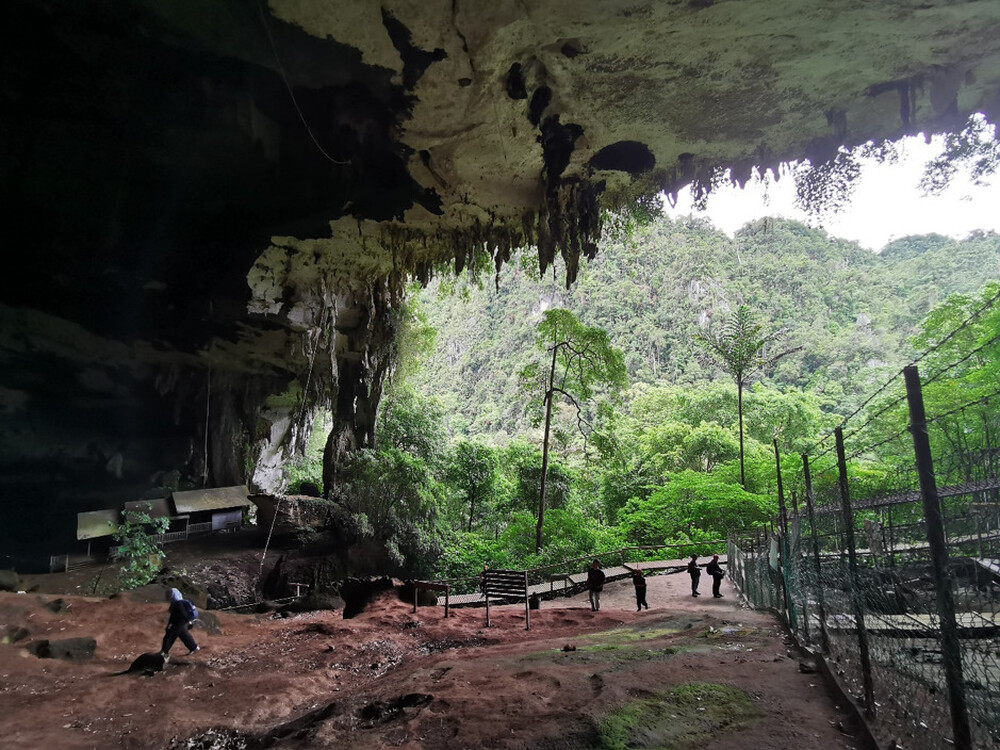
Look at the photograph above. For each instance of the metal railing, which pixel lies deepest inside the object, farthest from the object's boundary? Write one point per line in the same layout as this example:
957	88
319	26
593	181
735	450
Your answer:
896	584
565	569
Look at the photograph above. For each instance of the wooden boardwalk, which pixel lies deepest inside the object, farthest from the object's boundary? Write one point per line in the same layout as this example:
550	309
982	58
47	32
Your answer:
571	583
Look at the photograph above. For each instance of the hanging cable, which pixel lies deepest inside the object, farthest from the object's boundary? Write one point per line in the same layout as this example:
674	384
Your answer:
268	542
291	93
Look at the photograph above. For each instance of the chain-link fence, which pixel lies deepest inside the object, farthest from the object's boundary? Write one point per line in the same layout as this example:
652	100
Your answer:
885	557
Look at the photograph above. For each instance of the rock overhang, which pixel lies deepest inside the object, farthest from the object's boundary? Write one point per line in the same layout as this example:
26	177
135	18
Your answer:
513	101
456	123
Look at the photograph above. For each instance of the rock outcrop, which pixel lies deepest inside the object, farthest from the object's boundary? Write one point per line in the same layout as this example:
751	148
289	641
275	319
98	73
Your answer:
68	649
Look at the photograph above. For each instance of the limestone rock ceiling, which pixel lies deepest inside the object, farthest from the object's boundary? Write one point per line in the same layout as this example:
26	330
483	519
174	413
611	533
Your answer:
523	113
152	136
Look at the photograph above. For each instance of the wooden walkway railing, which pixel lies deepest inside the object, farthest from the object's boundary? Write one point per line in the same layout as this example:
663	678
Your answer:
419	586
572	581
506	584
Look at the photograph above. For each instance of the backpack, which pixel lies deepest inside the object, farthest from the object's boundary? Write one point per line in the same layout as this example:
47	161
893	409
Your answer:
190	610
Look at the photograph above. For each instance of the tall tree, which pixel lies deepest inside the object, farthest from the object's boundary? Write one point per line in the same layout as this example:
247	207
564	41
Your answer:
472	471
578	360
740	346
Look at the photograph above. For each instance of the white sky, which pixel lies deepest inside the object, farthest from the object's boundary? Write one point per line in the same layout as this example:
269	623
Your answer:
887	202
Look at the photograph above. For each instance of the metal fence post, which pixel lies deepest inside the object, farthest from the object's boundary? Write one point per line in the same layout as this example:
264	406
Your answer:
950	647
789	605
797	556
852	561
824	638
891	543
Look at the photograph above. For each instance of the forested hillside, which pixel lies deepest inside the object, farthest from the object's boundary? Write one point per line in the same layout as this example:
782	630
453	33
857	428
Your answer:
680	455
850	312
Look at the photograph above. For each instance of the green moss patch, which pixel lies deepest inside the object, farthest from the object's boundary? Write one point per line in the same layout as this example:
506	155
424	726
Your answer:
728	633
684	717
628	635
607	657
620	652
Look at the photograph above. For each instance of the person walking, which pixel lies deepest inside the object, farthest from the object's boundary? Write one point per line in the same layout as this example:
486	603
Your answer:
595	584
717	573
695	572
639	581
178	624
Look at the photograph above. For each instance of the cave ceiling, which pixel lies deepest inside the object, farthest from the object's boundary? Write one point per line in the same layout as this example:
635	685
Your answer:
208	184
157	146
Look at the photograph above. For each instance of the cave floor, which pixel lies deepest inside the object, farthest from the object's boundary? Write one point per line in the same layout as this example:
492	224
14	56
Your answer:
391	678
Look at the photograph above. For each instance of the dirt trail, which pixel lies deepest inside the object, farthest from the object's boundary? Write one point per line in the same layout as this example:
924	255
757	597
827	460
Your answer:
389	678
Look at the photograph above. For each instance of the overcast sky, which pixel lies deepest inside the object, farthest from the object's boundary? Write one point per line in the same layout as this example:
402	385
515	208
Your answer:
887	202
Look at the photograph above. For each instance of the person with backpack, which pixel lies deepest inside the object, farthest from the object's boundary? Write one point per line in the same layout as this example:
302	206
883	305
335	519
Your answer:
695	572
182	614
639	581
715	570
595	584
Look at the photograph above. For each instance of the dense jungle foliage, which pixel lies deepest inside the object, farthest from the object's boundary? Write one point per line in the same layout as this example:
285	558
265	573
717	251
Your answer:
455	482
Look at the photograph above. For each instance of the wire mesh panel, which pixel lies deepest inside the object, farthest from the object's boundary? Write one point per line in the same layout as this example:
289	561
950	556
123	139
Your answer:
891	565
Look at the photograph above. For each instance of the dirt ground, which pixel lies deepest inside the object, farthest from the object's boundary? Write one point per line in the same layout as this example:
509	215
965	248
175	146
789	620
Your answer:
686	673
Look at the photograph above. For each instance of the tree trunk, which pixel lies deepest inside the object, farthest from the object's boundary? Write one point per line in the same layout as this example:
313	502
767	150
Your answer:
739	409
362	360
545	451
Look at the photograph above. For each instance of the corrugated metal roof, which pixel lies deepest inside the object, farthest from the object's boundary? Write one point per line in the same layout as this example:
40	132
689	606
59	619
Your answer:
94	524
215	498
157	508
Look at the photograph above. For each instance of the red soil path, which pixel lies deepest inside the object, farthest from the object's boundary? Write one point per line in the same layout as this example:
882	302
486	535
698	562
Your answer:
500	687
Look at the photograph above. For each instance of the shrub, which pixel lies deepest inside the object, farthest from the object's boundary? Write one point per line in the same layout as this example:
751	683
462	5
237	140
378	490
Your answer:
138	552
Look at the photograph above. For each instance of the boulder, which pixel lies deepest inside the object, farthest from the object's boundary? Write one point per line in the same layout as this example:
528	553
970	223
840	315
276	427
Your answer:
310	489
10	580
14	633
68	649
153	593
314	601
209	621
188	588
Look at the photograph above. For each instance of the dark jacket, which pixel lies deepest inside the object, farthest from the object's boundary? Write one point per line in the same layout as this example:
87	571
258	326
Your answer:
178	614
714	569
638	580
693	569
595	579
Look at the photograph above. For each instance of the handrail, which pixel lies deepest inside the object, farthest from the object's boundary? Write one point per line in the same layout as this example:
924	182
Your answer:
564	564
